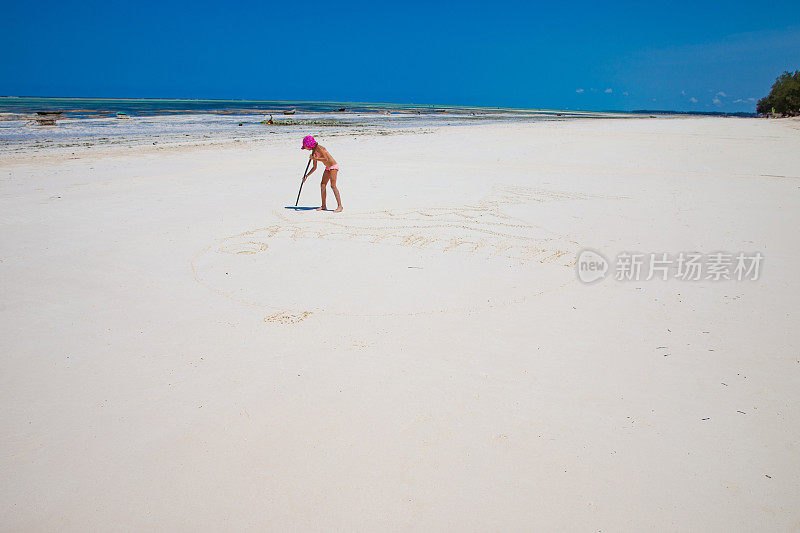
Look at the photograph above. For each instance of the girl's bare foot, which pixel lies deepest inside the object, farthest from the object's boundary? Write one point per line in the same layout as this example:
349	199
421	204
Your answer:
323	208
338	209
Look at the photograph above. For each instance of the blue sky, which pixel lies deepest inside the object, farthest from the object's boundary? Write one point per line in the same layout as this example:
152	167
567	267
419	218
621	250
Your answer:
712	56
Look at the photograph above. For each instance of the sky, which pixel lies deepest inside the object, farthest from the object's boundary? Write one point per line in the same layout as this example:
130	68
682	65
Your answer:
680	56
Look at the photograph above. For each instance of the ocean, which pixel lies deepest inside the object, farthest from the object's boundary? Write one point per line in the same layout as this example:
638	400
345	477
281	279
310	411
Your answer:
104	107
65	122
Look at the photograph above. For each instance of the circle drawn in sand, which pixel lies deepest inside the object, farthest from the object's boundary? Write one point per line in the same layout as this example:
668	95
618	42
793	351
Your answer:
390	262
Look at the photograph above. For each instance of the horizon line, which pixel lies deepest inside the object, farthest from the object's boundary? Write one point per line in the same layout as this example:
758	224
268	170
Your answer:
462	106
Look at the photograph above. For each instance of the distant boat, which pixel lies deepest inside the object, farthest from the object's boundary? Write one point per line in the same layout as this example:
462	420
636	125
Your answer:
290	112
47	118
123	115
341	109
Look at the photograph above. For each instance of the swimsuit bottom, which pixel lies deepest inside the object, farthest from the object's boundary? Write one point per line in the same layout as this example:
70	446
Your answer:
332	167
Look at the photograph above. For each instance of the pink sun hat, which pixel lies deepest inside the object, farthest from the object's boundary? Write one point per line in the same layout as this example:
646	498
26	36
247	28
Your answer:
309	142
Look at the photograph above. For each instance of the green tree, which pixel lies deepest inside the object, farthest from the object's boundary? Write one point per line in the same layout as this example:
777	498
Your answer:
784	97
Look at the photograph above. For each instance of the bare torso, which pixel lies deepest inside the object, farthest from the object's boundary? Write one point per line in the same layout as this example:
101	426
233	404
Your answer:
319	153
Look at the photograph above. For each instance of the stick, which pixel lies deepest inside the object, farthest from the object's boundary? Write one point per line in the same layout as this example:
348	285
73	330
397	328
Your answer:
302	182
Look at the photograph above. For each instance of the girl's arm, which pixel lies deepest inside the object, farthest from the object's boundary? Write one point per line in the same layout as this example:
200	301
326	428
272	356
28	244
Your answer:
313	168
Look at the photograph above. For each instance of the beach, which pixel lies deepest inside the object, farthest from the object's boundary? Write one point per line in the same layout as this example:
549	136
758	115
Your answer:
183	350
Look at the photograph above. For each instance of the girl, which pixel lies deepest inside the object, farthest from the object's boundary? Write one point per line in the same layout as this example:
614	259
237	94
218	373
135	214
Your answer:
319	153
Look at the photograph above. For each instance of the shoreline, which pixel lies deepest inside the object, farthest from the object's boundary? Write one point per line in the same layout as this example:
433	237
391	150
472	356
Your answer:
22	139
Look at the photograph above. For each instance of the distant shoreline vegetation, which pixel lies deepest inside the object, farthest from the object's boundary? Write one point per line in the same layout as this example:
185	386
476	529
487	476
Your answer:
107	107
784	97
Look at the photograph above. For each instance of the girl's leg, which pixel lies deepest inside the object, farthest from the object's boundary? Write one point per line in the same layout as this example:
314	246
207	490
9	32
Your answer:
325	177
333	174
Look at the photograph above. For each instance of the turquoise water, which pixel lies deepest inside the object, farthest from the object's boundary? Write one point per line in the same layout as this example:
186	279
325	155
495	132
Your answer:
99	107
96	121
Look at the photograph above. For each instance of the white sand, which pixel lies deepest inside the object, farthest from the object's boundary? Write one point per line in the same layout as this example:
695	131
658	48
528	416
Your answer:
180	352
